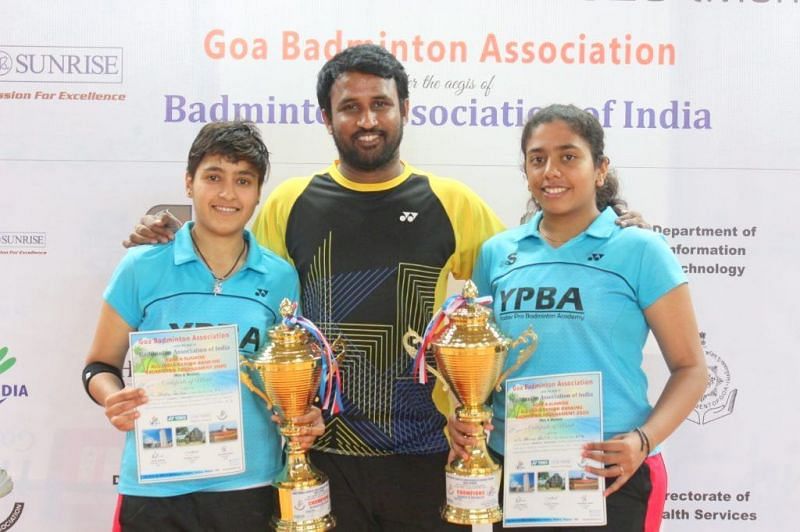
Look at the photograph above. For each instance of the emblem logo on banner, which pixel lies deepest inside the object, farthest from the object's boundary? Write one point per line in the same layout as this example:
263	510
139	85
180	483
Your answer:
6	63
23	243
6	364
719	398
6	487
9	390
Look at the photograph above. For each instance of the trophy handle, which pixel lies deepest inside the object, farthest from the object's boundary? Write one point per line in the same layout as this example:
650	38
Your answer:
339	347
523	356
248	381
410	340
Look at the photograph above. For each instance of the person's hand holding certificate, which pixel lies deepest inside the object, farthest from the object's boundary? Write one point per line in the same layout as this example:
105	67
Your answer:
191	425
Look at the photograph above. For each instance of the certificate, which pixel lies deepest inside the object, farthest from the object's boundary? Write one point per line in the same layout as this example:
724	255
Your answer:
548	419
191	426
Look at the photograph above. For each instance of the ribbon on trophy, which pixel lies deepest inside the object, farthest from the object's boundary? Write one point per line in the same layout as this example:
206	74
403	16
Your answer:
330	382
452	304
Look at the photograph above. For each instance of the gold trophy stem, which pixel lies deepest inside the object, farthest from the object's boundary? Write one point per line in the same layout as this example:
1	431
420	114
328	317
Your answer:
297	473
479	463
473	413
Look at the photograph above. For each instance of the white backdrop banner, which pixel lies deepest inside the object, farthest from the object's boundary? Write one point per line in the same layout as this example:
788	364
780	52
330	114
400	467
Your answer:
99	102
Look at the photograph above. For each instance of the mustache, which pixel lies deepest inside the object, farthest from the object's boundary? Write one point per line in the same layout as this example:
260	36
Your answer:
373	131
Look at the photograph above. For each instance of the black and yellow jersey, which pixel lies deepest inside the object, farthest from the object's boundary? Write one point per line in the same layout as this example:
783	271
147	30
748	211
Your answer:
373	261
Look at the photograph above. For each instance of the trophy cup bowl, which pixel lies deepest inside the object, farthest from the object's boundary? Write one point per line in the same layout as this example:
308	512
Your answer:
470	354
290	369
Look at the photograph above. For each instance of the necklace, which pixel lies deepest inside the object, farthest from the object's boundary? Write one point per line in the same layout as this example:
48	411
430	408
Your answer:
549	238
218	280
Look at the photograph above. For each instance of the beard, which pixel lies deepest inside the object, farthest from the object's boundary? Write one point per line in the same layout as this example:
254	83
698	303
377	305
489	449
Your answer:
369	160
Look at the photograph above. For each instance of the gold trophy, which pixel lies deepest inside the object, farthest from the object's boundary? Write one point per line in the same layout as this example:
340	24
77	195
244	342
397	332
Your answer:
290	368
470	353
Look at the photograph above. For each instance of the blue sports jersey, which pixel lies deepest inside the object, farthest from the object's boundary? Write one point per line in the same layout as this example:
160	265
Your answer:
169	287
585	300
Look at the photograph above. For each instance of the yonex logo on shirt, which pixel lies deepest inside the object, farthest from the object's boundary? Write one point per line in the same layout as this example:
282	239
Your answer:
511	259
595	256
261	292
408	216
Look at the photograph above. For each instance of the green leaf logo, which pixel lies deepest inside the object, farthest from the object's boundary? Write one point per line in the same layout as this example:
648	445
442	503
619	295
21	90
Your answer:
6	365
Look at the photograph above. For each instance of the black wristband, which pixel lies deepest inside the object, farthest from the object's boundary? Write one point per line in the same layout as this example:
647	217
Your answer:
644	441
96	368
641	438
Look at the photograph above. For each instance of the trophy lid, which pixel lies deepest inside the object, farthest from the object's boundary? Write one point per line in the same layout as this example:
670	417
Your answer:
470	325
287	341
472	314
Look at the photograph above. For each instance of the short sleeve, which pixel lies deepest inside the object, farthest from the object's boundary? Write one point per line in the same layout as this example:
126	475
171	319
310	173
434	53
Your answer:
659	273
122	290
481	274
270	224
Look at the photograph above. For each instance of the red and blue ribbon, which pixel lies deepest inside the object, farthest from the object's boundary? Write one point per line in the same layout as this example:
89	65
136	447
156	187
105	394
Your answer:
330	382
452	304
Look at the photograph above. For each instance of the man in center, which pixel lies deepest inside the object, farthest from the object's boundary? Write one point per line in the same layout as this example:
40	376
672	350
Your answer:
374	241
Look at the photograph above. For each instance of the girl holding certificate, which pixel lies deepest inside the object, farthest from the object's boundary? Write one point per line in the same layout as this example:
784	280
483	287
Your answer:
212	273
592	292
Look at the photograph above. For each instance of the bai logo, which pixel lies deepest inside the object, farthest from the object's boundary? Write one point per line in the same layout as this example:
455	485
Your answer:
720	397
9	390
408	216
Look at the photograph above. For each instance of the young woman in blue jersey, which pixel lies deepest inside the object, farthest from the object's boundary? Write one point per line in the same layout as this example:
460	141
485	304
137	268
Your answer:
213	272
619	284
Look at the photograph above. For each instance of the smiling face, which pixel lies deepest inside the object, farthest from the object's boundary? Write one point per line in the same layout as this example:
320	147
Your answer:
366	121
224	194
561	172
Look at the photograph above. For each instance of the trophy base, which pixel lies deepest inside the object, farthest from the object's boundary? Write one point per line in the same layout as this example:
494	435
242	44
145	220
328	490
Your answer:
304	507
302	494
461	516
472	492
320	524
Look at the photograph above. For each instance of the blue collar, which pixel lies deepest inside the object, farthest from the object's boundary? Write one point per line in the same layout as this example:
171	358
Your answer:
185	252
601	227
